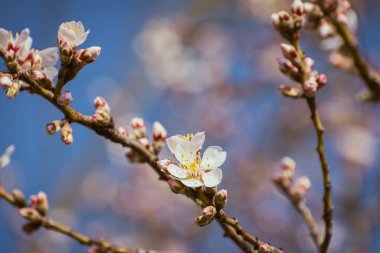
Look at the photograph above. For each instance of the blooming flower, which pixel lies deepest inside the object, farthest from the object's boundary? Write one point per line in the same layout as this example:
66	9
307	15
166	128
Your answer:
18	45
192	170
72	33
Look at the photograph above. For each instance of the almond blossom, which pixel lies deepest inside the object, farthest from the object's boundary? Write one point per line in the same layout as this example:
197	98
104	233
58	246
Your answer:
72	33
194	171
18	45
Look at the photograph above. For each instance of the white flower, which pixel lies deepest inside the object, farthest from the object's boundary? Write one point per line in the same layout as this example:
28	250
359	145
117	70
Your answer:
5	158
19	44
194	171
72	33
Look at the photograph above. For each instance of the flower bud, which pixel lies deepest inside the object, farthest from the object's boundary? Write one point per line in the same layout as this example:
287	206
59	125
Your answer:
202	221
264	248
138	126
6	81
159	136
343	19
163	164
13	91
101	104
53	127
275	19
67	134
321	80
40	203
30	214
291	92
309	7
65	52
298	8
288	51
309	63
90	54
101	117
220	199
19	198
301	187
145	142
288	166
65	98
286	66
122	131
325	29
209	212
310	87
284	16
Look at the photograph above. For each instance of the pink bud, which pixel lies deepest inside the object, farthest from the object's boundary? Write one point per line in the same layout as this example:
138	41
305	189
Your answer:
123	131
53	127
321	80
291	92
288	167
65	98
67	134
145	142
288	51
286	66
90	54
159	131
6	81
275	19
138	126
310	87
342	19
264	248
101	104
325	29
284	16
101	117
301	187
30	214
309	63
163	164
220	199
298	8
309	7
209	212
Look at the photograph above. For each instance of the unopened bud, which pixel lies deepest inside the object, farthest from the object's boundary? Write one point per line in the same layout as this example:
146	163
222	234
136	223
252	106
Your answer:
291	92
65	52
67	134
163	164
139	127
122	131
288	166
145	142
298	8
13	91
101	117
321	80
309	7
301	187
284	16
220	199
101	104
309	63
90	54
288	51
209	212
30	214
159	136
53	127
325	29
19	198
65	98
175	186
310	87
6	81
264	248
275	19
286	66
343	19
202	221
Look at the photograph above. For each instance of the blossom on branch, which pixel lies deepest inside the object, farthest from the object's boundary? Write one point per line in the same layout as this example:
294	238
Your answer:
72	33
194	171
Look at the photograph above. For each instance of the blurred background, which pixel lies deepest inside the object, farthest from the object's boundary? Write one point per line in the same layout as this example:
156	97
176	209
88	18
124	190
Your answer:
192	65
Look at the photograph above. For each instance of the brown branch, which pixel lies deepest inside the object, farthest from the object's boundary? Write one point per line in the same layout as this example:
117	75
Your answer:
53	225
369	75
110	133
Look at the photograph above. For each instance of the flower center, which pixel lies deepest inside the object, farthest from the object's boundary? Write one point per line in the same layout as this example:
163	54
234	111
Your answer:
74	29
187	137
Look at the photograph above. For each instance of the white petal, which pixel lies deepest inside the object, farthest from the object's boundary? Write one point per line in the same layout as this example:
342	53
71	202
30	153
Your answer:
25	48
177	171
213	177
173	141
4	38
82	38
24	35
49	56
213	157
185	152
192	182
198	139
50	72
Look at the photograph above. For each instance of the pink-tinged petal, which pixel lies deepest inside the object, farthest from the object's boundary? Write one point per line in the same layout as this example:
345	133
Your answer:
192	182
4	38
82	38
49	56
198	139
173	141
177	171
185	152
24	35
213	157
213	177
50	72
25	48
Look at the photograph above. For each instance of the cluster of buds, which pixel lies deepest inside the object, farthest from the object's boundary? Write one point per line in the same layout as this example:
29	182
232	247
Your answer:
300	69
207	216
102	116
341	11
139	133
284	180
289	24
70	36
65	98
66	130
12	86
40	203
